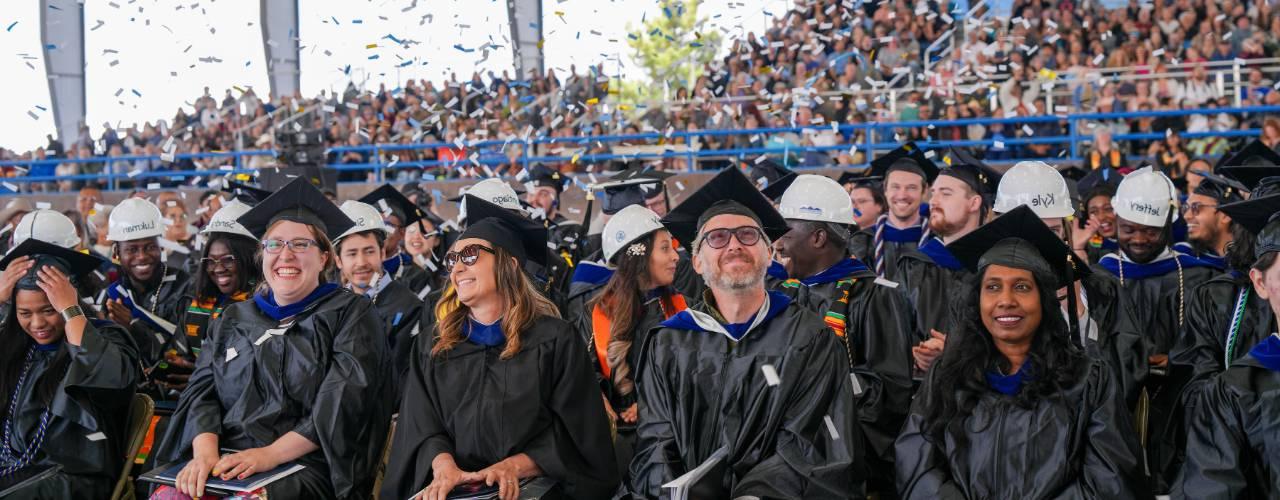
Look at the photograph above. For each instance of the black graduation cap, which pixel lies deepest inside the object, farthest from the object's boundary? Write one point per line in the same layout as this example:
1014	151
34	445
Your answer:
324	179
728	192
542	175
247	194
1220	188
978	175
298	201
771	178
523	237
1073	173
72	263
1250	165
388	200
1102	177
1261	216
910	158
1019	239
632	186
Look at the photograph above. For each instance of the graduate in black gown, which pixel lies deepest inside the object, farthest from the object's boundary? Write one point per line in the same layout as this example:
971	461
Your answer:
746	375
1209	231
501	390
1103	325
869	314
958	204
907	174
227	274
359	258
398	212
67	381
869	203
542	193
424	241
1013	408
147	299
1233	429
300	374
638	295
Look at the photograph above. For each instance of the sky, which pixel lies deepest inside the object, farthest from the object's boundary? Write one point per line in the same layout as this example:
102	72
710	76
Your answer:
147	58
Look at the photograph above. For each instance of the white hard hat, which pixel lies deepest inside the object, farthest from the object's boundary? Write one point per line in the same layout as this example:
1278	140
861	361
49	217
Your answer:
816	198
225	220
497	192
1036	185
134	219
365	216
1145	197
626	226
49	226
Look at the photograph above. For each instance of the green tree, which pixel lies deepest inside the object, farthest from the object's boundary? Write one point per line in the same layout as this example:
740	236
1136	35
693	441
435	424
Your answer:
672	47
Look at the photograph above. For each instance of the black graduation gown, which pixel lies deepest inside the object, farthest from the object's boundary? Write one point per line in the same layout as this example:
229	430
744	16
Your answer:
1233	437
400	312
861	244
906	240
1077	444
482	409
1118	338
880	330
88	423
1210	313
412	276
1155	303
167	302
563	252
929	287
326	378
701	391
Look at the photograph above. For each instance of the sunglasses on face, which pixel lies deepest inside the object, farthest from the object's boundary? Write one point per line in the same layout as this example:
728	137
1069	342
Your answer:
719	238
225	262
296	245
468	256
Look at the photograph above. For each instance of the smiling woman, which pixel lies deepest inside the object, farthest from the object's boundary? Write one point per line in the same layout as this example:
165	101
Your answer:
300	374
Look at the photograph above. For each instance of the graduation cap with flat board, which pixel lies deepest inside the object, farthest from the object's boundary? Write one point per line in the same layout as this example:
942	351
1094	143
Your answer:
298	201
247	194
324	179
730	191
524	238
543	176
978	175
1250	165
389	201
1260	215
631	187
909	158
1019	239
771	178
72	263
1105	177
859	179
1220	188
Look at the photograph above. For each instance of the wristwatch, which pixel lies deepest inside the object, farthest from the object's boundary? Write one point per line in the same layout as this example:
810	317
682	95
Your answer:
72	312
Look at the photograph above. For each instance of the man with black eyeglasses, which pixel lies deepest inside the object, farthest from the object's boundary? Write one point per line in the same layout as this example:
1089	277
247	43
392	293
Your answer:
748	384
398	212
147	299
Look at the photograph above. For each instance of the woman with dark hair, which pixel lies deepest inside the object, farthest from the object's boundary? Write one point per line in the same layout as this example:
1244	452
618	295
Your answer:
500	391
1232	426
299	375
636	298
227	274
1013	408
67	381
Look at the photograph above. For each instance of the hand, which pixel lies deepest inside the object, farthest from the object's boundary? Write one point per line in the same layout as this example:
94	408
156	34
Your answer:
928	351
119	313
1080	237
445	475
1158	360
57	288
505	476
246	463
9	278
630	415
178	379
191	479
608	409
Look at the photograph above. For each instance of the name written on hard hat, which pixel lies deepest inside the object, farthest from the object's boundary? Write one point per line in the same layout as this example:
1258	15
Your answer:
1043	200
141	226
1144	208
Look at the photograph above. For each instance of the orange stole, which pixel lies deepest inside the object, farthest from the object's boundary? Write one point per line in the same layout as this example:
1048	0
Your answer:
600	325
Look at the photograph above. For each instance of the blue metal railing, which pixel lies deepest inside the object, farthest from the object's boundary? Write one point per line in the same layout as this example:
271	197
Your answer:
491	153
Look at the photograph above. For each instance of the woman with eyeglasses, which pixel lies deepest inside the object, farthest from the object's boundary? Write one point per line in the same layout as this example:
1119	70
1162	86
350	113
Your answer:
500	392
66	381
1013	408
299	375
636	298
226	275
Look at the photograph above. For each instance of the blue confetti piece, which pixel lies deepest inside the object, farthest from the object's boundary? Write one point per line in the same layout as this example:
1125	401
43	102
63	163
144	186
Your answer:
405	63
346	70
857	213
10	28
372	57
695	44
527	99
54	7
51	46
396	322
464	49
577	36
247	63
135	92
357	21
335	21
41	108
393	39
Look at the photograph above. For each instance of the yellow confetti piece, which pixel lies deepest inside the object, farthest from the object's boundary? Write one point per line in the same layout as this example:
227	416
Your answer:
238	89
624	107
559	13
371	46
574	160
593	101
540	42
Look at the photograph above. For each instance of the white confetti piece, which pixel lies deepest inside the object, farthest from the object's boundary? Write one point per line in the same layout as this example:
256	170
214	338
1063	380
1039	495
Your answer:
231	354
43	205
855	384
97	436
831	427
770	375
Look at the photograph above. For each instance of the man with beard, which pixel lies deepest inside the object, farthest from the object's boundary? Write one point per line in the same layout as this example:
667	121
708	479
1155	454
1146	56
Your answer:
1105	327
398	212
907	173
359	258
748	384
147	298
1098	235
542	193
958	204
1209	231
870	314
